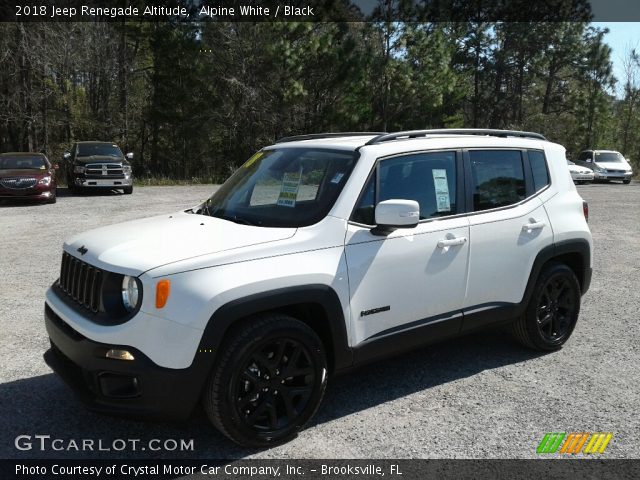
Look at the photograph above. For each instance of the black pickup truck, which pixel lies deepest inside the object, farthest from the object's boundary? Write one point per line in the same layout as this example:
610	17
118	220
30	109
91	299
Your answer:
98	165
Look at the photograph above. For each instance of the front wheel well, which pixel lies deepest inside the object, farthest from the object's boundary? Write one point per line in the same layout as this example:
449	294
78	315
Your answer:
315	316
312	314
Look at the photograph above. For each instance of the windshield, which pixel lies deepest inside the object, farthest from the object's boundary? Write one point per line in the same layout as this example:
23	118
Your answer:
22	162
611	157
287	187
103	149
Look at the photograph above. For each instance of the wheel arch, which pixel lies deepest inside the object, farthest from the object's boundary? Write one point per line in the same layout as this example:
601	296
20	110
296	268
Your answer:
316	305
576	254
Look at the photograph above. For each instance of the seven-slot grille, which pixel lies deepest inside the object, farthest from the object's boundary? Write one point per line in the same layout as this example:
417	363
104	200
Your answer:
81	281
103	169
19	182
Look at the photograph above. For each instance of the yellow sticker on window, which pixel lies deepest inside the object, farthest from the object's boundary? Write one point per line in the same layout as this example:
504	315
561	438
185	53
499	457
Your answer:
253	159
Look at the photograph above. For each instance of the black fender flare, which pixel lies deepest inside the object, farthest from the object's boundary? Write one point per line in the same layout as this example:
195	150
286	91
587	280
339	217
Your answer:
225	317
575	246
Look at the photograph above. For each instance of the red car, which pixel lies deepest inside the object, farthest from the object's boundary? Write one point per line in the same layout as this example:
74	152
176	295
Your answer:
27	176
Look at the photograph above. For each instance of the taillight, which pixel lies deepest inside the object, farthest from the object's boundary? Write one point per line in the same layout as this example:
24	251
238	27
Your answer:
585	210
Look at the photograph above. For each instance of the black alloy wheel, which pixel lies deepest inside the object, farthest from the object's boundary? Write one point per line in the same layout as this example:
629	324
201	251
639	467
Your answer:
556	308
552	312
275	385
268	380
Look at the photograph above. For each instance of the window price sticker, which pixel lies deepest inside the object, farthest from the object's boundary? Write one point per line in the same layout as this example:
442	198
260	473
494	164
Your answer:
289	189
443	201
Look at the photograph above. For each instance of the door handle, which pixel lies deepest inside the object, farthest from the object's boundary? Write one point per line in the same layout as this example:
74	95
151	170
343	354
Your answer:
528	227
451	242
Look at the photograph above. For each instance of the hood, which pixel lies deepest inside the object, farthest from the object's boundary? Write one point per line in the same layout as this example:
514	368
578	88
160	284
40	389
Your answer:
614	165
24	172
138	246
99	159
579	169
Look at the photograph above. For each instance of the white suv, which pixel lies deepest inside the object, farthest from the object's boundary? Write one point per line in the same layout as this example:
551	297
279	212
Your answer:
322	252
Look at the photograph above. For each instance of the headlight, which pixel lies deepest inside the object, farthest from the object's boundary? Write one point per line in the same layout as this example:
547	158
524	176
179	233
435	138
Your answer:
599	169
126	168
78	169
44	181
130	293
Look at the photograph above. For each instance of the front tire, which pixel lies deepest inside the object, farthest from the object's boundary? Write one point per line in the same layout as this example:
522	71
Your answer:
127	190
626	182
268	381
553	309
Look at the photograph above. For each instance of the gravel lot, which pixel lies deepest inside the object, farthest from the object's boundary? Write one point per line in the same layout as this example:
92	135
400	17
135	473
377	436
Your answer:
475	397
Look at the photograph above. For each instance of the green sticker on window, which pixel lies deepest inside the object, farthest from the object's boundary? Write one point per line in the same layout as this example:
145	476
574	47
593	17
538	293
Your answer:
289	189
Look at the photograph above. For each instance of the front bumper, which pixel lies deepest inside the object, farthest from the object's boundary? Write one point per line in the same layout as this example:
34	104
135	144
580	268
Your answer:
136	387
612	176
104	182
582	177
40	192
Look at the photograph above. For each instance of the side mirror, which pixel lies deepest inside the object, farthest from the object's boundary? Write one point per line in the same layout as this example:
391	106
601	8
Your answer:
56	166
129	156
67	155
392	214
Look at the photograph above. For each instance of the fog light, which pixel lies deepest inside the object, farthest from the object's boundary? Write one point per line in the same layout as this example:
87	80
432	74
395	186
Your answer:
119	354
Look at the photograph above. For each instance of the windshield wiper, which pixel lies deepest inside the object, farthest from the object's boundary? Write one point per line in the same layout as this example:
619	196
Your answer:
241	221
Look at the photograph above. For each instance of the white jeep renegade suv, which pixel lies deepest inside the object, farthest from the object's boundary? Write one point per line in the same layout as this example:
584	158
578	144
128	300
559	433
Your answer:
320	253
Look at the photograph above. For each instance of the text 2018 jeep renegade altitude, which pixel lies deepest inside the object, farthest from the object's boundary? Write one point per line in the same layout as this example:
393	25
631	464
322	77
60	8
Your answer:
320	253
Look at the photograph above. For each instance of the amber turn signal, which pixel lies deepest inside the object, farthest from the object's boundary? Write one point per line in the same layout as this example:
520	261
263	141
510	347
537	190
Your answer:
163	287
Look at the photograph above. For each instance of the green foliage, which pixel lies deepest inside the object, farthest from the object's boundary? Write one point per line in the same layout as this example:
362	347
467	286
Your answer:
193	101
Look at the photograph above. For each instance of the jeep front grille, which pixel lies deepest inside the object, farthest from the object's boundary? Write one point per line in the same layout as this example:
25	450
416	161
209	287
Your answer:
18	182
81	281
103	169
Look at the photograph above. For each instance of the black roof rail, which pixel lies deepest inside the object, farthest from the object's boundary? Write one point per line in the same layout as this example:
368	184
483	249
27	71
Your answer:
454	131
316	136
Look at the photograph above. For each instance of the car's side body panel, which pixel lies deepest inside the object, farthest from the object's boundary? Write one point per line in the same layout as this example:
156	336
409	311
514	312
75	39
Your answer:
404	276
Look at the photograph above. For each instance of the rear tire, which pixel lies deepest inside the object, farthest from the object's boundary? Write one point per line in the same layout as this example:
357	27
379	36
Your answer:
553	309
268	381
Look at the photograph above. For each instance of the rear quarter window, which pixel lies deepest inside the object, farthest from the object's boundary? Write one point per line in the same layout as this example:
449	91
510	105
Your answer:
539	169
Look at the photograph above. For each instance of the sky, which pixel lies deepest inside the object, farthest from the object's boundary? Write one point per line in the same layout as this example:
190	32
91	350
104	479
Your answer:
621	37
